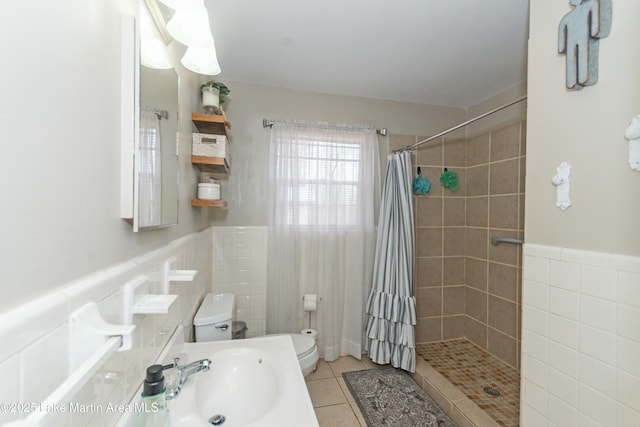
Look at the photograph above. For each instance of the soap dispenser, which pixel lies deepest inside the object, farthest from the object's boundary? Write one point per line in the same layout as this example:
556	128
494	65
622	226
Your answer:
153	411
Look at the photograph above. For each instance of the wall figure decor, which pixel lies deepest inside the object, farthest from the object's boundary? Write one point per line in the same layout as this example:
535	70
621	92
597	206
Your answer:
579	35
632	133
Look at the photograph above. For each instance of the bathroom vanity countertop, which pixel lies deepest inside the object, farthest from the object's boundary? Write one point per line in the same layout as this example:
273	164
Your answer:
252	382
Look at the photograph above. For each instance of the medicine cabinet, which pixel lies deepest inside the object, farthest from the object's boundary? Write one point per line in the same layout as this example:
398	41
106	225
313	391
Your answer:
149	163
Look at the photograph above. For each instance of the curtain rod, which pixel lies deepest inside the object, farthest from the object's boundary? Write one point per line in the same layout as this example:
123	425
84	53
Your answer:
266	123
468	122
160	113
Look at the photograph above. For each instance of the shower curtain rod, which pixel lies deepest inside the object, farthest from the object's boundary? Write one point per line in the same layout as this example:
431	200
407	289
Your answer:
468	122
266	123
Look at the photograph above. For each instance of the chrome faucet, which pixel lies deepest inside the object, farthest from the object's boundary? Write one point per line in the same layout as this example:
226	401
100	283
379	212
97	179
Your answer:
184	372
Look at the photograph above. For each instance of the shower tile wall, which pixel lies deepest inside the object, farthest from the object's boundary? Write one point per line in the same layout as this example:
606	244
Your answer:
466	287
440	245
495	206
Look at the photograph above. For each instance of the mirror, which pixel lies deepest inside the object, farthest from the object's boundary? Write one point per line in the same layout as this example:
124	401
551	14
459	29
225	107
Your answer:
149	93
156	160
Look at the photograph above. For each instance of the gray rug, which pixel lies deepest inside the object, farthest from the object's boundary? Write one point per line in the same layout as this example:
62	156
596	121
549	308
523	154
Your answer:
390	397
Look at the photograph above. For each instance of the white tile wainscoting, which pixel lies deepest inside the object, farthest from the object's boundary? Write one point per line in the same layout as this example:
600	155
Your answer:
34	352
581	338
240	267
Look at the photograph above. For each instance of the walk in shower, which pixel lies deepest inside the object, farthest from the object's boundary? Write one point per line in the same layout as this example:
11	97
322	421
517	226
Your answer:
468	290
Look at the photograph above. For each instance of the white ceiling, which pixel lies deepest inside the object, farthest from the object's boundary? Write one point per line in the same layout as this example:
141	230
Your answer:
438	52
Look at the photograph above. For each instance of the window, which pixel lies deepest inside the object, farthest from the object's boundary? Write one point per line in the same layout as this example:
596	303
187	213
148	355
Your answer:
318	175
322	184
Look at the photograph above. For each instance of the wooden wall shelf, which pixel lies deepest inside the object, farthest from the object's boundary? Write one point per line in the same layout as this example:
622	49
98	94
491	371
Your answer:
211	164
210	123
217	125
209	203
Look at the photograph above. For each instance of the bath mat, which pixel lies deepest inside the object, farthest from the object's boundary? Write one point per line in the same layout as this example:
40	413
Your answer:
390	398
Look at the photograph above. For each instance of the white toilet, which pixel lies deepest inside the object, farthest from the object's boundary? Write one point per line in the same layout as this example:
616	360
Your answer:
214	321
306	350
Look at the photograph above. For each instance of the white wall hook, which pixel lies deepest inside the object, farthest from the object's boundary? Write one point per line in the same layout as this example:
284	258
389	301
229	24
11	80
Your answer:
632	133
88	331
562	181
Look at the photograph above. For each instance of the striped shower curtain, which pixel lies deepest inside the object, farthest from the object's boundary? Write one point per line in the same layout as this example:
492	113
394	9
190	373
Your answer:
391	306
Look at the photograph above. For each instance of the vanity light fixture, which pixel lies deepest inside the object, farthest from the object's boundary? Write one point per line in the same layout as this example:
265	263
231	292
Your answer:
189	25
152	51
201	60
173	4
153	55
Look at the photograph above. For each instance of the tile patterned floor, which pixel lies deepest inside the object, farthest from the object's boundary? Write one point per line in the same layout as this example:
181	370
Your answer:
332	401
470	368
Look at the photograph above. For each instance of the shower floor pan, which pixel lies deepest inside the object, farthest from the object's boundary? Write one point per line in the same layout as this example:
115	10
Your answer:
471	381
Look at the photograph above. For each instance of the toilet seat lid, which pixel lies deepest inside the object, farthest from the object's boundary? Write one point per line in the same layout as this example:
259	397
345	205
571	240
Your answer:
303	344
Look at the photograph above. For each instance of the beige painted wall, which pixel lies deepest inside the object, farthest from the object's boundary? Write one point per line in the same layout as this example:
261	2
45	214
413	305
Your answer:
586	129
507	116
245	190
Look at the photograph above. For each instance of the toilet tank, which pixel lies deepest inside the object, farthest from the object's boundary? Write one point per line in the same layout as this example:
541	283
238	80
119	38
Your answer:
214	319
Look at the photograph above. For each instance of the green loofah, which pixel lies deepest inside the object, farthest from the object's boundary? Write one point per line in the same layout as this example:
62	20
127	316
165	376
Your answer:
449	179
421	185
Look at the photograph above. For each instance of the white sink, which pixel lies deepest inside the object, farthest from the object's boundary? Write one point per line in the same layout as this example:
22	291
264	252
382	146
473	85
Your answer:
241	385
251	382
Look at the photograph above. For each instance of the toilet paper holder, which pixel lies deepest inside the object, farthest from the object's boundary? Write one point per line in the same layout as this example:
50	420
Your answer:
312	306
310	301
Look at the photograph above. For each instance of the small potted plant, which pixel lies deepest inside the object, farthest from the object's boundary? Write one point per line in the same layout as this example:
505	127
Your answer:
214	95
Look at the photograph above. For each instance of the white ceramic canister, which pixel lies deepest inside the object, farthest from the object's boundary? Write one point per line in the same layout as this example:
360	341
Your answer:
210	98
208	191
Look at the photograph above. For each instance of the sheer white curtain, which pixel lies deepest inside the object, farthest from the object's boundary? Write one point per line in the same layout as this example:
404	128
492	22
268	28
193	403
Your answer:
149	170
323	199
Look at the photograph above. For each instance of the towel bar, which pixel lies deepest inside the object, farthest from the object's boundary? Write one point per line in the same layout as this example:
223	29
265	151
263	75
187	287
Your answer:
495	241
60	396
92	341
